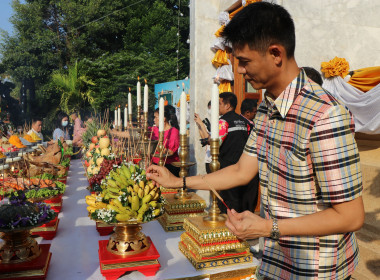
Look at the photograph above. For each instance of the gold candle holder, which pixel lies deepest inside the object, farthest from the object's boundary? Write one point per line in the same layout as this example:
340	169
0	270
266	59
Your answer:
207	242
139	116
130	121
179	204
214	212
183	164
145	127
161	148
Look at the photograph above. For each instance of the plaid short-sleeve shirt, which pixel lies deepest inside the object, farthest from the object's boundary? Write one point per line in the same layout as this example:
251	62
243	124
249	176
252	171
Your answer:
308	160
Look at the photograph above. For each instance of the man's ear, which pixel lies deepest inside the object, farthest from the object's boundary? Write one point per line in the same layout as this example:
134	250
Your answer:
277	53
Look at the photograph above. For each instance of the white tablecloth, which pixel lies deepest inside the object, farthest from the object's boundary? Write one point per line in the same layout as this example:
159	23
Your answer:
75	247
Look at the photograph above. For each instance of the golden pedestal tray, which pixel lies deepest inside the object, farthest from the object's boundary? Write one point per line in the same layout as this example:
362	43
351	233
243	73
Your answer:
207	242
181	204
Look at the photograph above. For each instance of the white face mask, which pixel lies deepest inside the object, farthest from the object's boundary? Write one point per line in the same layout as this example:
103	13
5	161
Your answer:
65	123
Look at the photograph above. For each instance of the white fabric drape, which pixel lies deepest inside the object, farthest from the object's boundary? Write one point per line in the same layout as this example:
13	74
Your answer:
365	106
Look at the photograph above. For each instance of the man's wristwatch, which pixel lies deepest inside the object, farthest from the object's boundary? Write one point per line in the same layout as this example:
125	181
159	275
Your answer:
275	233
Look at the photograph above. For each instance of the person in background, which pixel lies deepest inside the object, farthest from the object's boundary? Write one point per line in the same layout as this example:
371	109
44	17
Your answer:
233	134
61	127
248	109
36	128
204	133
313	74
79	129
171	138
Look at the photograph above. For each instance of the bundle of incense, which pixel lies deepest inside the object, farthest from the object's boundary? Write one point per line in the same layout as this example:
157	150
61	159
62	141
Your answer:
215	192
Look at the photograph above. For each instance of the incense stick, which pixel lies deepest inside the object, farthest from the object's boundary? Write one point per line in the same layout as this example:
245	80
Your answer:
215	192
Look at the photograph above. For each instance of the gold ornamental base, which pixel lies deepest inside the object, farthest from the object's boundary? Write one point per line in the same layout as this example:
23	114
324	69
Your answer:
17	247
127	240
210	245
177	209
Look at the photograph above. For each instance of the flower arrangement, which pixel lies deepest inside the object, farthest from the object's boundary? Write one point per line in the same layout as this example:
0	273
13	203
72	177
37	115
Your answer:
17	212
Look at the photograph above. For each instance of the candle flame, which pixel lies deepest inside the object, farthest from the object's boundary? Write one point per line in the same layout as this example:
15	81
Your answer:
119	106
183	86
126	105
129	89
138	78
145	81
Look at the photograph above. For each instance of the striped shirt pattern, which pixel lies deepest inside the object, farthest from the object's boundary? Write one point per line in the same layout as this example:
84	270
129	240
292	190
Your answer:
308	160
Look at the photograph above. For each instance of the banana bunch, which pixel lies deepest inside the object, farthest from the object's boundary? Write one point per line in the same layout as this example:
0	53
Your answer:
95	202
127	195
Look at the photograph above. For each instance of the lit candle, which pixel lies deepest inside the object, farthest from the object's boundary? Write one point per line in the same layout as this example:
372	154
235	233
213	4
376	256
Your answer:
119	116
115	116
146	97
129	102
125	116
138	92
161	115
215	112
182	114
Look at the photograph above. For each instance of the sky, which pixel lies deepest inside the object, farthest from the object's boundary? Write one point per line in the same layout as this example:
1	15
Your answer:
5	13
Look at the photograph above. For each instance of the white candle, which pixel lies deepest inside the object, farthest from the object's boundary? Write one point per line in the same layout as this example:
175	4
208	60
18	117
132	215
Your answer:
215	112
182	114
115	117
138	93
119	116
161	115
125	116
146	97
129	103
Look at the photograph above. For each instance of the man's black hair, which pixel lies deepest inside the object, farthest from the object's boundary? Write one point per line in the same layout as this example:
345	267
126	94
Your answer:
260	25
314	75
36	119
248	105
229	98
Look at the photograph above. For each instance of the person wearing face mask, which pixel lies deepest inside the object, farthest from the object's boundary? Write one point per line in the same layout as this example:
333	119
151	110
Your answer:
204	133
61	127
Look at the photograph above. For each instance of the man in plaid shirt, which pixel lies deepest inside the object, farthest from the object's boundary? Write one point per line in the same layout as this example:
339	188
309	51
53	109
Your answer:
303	147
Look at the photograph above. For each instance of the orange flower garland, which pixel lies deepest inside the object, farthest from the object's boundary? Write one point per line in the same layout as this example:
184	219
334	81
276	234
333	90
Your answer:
335	67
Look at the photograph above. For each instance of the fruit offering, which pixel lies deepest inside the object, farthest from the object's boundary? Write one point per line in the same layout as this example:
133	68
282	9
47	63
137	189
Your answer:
105	167
126	197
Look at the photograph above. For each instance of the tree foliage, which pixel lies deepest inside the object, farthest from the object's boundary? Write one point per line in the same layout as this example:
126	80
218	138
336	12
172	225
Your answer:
114	42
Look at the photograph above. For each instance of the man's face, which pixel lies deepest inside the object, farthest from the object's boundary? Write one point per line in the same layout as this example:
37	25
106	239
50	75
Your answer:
223	107
257	68
37	126
250	115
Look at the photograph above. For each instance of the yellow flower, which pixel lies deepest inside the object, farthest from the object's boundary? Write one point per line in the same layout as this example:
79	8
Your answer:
335	67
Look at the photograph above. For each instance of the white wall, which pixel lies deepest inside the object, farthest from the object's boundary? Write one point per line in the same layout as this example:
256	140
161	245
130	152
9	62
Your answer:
342	28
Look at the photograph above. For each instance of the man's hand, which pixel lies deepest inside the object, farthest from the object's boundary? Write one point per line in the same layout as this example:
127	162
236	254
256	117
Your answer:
162	176
247	225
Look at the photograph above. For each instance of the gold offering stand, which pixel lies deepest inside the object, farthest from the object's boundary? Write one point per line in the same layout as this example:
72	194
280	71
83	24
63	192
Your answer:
145	145
182	204
21	256
207	242
128	249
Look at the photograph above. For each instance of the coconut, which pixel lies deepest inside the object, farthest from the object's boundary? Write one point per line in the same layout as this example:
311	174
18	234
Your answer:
105	152
104	142
101	133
